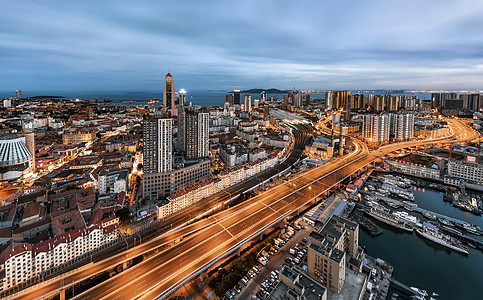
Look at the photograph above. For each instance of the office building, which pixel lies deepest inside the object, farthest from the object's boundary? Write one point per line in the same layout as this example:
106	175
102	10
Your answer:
328	251
229	99
247	102
168	95
236	97
181	99
376	128
263	96
18	94
157	151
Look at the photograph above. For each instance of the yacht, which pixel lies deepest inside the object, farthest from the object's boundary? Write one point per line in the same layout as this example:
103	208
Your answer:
405	217
383	214
419	291
432	233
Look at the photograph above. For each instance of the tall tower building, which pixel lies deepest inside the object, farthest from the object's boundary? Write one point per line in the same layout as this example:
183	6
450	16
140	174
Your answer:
158	139
181	98
376	128
229	99
404	127
285	100
194	133
435	100
168	94
247	103
263	97
297	99
18	94
236	97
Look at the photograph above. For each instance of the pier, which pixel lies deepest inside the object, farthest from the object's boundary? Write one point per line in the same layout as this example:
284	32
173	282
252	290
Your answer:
402	286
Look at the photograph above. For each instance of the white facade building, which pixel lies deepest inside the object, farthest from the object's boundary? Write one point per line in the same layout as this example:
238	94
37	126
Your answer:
113	182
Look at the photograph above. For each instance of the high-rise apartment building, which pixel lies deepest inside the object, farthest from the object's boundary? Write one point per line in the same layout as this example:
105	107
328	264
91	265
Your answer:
193	132
285	100
435	100
297	99
18	94
376	128
471	101
247	102
357	101
158	140
403	127
337	99
392	102
168	94
236	97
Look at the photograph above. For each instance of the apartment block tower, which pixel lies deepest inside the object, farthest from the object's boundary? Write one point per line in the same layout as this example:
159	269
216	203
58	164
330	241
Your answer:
193	132
158	139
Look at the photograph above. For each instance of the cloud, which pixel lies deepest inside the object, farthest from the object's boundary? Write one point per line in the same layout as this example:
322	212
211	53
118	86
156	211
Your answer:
226	44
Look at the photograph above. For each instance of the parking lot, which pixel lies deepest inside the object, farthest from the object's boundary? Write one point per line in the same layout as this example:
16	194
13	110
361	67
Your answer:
262	279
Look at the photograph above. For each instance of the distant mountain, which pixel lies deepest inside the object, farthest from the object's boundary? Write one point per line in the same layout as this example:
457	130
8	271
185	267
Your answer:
269	91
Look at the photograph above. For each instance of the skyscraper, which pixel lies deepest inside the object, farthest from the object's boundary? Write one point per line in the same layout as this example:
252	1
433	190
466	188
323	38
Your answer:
263	97
168	94
236	97
193	132
297	99
18	94
404	126
229	99
247	103
435	100
158	139
376	128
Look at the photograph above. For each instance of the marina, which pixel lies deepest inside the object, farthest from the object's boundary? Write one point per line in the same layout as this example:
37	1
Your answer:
431	268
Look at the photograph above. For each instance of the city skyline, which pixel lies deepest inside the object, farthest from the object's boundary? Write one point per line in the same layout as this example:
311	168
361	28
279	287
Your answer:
410	45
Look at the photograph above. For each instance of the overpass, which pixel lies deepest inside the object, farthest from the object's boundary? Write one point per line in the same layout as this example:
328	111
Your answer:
166	271
213	238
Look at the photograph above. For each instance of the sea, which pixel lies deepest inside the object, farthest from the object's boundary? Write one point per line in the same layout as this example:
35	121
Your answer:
197	97
421	263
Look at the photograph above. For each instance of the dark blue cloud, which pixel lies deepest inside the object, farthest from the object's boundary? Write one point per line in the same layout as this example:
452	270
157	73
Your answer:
225	44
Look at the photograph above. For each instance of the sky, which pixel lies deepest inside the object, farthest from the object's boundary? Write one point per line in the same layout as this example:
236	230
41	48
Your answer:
331	44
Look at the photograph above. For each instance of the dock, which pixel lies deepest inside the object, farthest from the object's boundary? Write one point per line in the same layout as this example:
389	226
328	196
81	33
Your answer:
402	286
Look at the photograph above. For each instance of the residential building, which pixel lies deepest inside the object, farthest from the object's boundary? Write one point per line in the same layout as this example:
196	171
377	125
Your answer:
326	256
158	139
247	103
376	128
404	127
470	172
113	182
77	136
193	132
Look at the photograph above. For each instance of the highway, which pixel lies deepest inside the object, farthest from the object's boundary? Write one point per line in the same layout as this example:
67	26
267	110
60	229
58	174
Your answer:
224	232
164	272
163	232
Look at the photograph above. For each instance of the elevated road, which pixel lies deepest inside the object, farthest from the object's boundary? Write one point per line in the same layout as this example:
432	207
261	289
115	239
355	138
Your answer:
217	236
166	271
163	234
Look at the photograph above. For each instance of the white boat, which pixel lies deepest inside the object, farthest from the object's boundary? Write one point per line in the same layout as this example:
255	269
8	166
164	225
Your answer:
419	291
433	234
434	294
405	217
